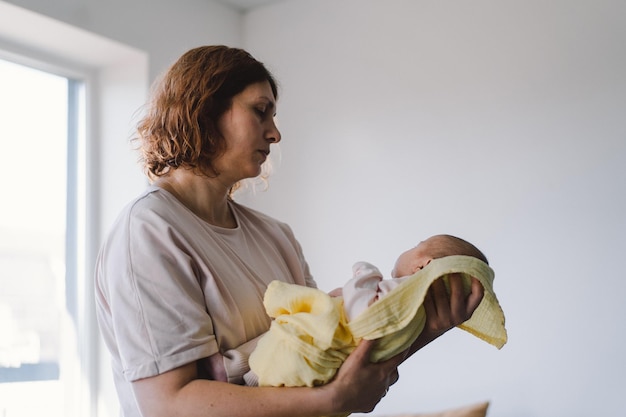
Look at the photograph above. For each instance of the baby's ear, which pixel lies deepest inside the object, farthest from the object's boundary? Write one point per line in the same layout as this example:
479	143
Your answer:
422	265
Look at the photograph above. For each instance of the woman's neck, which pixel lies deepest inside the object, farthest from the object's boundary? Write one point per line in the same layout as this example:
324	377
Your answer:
205	197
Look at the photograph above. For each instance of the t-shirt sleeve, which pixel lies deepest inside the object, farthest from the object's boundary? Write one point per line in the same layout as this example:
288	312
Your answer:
158	314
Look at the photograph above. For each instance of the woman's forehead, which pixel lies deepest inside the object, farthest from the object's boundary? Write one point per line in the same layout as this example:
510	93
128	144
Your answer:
262	89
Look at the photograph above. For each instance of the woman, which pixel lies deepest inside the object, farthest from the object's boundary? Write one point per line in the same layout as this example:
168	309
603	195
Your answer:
181	277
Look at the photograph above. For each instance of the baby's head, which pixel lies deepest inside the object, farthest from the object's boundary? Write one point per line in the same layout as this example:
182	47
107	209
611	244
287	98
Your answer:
434	247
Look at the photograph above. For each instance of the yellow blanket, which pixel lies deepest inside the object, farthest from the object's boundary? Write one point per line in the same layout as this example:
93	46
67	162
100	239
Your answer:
310	337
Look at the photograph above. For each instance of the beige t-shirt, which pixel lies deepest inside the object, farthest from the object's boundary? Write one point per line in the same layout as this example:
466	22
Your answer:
172	289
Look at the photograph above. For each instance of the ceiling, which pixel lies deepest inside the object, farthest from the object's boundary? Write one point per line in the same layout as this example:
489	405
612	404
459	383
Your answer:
245	5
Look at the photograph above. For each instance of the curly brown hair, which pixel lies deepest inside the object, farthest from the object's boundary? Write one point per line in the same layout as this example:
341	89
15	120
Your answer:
180	125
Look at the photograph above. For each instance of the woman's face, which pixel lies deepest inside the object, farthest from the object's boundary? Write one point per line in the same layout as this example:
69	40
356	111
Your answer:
249	129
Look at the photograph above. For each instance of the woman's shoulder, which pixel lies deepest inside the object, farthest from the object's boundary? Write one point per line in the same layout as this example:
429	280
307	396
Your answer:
153	206
153	200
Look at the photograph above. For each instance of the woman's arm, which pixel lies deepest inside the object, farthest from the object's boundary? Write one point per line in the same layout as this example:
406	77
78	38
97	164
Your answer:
445	311
358	387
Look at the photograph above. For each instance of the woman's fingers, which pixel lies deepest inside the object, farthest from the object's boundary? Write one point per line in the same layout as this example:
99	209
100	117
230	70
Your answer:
360	383
458	310
477	292
449	308
394	377
362	352
439	298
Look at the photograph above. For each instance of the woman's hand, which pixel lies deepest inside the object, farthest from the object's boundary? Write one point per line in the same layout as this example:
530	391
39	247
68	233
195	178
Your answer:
447	310
360	384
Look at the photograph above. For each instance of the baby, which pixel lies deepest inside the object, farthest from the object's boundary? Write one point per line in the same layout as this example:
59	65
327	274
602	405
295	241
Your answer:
313	332
368	285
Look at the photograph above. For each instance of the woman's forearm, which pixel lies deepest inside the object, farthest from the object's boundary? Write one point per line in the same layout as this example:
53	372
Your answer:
358	387
208	398
422	340
178	393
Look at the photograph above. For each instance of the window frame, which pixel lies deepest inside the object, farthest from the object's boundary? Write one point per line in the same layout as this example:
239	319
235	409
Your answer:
77	83
81	82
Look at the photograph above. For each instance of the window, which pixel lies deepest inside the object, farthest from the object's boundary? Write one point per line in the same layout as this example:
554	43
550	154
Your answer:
40	131
107	82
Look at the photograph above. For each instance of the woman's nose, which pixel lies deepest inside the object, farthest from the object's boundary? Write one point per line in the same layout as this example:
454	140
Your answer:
273	134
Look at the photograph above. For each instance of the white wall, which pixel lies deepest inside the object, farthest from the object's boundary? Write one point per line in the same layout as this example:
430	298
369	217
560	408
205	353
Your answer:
498	121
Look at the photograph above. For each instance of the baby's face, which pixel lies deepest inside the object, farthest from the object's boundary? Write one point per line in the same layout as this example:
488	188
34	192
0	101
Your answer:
412	260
